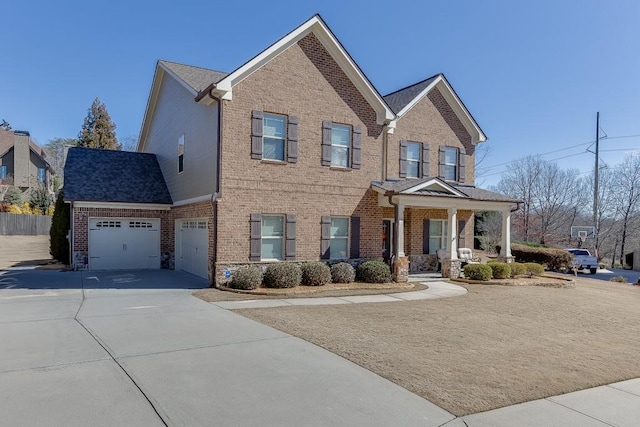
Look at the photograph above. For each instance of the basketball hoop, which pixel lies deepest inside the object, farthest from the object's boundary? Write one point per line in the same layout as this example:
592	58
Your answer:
582	235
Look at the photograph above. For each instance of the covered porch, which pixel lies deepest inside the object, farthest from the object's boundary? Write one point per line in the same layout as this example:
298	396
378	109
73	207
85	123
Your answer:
432	219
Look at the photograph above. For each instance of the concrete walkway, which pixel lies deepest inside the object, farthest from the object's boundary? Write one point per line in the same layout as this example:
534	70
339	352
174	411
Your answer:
437	289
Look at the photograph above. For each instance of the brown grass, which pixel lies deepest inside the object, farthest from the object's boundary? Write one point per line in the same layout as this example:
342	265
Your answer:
18	251
495	346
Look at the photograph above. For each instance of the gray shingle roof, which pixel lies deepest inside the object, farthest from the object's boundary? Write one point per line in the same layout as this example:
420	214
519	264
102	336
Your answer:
196	77
474	193
113	176
399	99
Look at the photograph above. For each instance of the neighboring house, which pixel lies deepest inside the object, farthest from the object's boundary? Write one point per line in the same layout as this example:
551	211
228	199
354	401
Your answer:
22	163
292	156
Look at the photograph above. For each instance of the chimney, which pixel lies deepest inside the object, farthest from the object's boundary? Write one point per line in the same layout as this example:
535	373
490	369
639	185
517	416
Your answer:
21	156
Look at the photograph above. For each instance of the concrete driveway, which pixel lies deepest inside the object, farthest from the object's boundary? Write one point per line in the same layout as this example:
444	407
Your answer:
135	348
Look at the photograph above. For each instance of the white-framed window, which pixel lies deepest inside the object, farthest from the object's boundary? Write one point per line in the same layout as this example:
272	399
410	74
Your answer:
414	158
273	136
272	244
42	174
340	145
451	164
339	245
3	172
181	154
437	234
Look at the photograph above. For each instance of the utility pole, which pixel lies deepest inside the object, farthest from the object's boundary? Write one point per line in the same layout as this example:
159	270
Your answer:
597	181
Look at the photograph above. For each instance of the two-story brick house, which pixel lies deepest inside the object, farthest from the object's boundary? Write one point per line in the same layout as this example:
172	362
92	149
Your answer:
22	163
295	156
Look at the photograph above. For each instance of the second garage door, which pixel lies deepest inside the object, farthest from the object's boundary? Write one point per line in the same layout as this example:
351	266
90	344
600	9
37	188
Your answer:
192	246
124	243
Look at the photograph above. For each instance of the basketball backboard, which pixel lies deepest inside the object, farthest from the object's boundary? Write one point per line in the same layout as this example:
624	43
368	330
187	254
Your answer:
577	230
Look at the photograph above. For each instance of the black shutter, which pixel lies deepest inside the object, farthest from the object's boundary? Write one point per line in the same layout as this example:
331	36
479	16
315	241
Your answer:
425	236
326	143
425	160
290	235
355	237
325	237
462	154
292	140
256	237
356	157
461	239
256	134
402	171
441	160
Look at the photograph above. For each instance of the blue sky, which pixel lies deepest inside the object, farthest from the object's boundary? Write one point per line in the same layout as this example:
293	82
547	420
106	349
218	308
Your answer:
533	74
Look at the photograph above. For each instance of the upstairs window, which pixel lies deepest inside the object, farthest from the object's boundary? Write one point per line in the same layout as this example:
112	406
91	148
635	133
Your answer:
273	137
3	172
181	154
341	145
413	159
42	174
452	163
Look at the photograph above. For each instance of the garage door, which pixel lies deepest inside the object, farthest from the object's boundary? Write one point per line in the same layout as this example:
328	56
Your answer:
192	246
124	243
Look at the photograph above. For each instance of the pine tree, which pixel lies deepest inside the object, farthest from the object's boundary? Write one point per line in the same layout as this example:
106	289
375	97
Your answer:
40	199
98	131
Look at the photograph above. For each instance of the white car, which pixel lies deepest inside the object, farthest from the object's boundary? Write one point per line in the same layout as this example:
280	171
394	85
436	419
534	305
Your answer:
582	259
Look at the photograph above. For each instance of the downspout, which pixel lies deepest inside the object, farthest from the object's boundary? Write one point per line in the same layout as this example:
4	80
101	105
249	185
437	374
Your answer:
70	236
395	227
216	194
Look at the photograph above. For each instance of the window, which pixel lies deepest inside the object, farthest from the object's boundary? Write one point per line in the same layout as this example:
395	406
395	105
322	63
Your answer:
3	172
273	137
339	245
451	164
181	154
437	234
413	159
272	241
340	145
42	174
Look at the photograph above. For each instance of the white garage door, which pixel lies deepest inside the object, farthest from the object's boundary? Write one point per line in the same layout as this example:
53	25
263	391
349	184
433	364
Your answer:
124	243
192	246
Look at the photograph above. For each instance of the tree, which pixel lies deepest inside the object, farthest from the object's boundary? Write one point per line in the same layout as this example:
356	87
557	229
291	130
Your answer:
13	196
98	131
5	125
59	244
55	154
130	143
627	197
39	199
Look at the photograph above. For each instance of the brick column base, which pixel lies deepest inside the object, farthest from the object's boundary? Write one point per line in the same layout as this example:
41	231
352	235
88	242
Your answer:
401	270
507	259
451	268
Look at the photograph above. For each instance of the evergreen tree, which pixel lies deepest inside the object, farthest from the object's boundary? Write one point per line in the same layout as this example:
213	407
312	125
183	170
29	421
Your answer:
98	131
59	245
39	201
5	125
13	196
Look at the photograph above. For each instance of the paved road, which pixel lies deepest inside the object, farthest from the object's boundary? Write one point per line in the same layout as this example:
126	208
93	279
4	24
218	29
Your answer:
608	274
134	349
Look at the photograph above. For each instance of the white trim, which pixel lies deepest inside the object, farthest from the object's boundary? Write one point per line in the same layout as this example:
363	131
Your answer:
315	25
418	201
433	182
121	205
454	102
178	79
198	199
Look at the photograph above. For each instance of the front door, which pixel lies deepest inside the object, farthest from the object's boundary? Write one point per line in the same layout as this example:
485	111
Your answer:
387	240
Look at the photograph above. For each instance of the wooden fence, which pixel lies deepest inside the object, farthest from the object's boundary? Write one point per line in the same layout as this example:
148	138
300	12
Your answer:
24	225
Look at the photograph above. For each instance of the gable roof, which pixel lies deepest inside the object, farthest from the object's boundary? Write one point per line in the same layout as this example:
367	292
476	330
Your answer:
404	99
98	175
316	25
195	79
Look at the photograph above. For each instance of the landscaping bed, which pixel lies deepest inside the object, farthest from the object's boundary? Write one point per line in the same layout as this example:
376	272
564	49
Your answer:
546	281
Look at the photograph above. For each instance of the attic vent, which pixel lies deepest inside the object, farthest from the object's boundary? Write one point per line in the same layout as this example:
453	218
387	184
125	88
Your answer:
108	224
140	224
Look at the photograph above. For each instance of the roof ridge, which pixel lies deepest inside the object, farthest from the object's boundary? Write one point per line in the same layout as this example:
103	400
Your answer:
192	66
414	84
109	150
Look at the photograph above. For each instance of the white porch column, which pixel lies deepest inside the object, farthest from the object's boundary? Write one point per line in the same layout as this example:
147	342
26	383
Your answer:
399	249
452	245
505	248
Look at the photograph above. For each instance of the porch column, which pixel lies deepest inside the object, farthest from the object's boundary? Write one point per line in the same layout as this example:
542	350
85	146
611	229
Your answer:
399	214
505	248
452	245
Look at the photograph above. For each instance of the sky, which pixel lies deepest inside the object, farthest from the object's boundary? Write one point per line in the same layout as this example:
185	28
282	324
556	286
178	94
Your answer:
533	74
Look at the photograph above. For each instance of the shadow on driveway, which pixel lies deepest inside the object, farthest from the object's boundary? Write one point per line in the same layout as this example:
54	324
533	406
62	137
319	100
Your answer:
124	279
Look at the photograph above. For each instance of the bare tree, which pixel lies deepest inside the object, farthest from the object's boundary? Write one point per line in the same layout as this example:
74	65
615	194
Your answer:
130	143
482	153
55	152
489	229
627	197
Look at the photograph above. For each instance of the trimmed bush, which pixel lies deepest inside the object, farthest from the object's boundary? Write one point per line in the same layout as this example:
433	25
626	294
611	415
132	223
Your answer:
374	271
553	258
58	243
246	278
500	270
478	272
282	275
518	269
534	269
619	279
342	272
315	273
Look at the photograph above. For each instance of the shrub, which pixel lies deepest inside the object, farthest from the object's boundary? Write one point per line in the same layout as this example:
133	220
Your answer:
315	273
58	243
282	275
374	271
518	269
342	272
534	269
39	200
246	278
618	279
13	196
601	265
500	270
478	272
553	258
